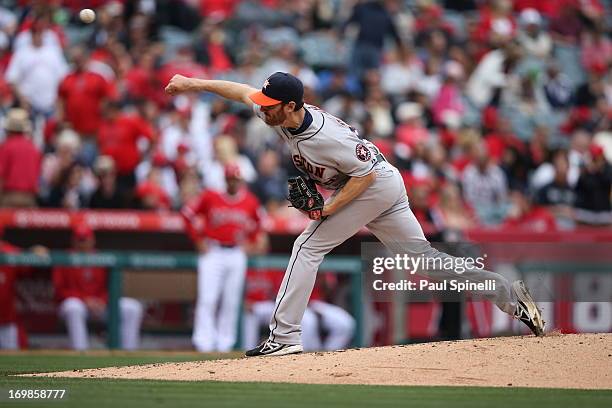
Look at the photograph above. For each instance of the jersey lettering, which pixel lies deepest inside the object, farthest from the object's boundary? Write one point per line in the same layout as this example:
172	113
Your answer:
220	216
329	150
299	161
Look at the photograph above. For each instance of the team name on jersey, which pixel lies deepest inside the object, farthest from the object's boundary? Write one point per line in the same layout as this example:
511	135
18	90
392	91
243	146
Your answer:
220	216
301	162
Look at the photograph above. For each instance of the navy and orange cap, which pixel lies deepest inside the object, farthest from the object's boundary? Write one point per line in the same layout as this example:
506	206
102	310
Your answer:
280	87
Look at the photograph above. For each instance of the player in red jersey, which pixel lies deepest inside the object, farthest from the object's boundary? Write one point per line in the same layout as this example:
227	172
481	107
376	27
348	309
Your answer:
231	229
82	292
8	315
9	332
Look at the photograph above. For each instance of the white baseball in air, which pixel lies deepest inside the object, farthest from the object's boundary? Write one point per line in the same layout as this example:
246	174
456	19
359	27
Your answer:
87	15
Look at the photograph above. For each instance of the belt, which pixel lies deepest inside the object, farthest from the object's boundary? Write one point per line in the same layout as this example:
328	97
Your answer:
228	246
219	244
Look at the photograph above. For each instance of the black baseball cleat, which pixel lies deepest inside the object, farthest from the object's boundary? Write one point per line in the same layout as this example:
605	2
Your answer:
527	310
272	348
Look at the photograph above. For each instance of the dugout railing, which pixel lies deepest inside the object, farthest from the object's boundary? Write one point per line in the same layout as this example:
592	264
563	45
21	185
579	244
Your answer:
117	261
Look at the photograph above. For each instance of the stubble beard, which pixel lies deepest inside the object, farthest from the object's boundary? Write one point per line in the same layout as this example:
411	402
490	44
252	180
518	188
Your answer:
275	120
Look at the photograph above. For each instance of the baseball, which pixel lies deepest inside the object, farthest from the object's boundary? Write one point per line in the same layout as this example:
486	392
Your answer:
87	16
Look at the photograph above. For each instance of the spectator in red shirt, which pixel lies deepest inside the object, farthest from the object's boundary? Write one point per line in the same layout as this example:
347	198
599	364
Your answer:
151	194
431	18
82	95
83	294
19	162
502	138
596	48
141	81
118	138
221	9
210	49
410	130
496	23
522	214
550	8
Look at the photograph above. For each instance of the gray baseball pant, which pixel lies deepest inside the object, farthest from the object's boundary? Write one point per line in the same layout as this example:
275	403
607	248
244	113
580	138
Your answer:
383	208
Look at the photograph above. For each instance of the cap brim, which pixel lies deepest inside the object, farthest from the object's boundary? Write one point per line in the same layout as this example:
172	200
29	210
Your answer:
262	100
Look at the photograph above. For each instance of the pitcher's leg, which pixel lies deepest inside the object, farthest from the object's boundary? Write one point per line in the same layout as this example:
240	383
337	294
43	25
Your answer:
400	231
298	281
316	241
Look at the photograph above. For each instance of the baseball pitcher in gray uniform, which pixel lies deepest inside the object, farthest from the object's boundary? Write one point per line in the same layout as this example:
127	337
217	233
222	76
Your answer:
369	192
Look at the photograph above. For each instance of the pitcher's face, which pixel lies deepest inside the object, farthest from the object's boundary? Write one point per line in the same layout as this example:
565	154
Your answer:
274	115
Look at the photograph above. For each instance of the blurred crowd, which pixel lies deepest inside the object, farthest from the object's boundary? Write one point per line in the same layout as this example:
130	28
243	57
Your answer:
497	112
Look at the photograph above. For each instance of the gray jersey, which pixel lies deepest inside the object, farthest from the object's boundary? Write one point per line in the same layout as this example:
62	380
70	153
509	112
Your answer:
326	149
329	151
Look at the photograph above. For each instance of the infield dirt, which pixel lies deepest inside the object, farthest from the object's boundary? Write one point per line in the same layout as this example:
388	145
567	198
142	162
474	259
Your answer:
556	361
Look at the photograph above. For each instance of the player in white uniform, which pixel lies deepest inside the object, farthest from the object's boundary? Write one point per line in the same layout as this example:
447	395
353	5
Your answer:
232	228
369	192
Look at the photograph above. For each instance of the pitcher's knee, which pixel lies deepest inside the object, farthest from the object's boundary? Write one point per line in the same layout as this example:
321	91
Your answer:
311	248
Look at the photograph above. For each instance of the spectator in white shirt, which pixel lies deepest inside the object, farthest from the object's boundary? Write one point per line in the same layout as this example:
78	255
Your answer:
226	151
49	39
35	72
493	74
535	41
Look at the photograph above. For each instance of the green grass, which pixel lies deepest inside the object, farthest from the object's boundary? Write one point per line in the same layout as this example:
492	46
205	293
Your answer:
39	363
90	393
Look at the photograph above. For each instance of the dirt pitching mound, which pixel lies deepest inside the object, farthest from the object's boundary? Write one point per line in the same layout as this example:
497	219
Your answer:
559	361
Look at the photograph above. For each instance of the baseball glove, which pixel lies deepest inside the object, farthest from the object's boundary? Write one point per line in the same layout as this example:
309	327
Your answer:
304	196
